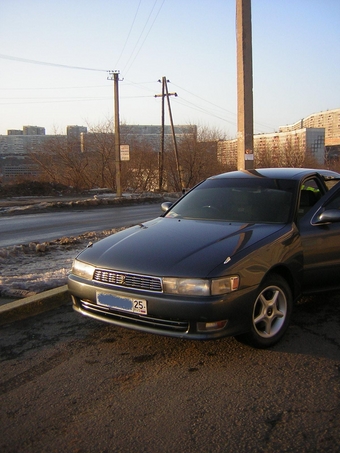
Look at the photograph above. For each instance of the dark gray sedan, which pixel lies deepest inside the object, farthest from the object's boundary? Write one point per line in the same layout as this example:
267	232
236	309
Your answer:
228	258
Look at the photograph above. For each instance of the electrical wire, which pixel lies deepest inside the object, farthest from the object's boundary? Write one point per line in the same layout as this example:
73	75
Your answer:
128	36
24	101
54	88
181	101
205	100
45	63
57	101
129	64
191	105
257	123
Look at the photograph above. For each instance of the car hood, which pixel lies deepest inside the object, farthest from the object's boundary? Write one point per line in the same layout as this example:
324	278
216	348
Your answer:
173	247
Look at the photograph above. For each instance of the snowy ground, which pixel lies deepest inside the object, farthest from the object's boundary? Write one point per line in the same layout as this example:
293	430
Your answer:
32	268
36	267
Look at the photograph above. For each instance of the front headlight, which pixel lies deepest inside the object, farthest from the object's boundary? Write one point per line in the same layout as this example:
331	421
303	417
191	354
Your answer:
188	286
200	286
82	270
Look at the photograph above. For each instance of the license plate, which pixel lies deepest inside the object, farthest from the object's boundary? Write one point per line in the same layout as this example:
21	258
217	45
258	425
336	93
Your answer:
122	303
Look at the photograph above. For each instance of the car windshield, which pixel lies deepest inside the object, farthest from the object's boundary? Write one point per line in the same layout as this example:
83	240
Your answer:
237	200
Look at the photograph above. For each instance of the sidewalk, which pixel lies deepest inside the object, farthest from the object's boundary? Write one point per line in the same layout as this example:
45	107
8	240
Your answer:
13	310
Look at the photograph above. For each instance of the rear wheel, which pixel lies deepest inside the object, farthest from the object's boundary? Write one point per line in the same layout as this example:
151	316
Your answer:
271	313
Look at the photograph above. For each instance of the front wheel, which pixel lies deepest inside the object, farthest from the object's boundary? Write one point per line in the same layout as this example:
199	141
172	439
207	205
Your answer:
271	313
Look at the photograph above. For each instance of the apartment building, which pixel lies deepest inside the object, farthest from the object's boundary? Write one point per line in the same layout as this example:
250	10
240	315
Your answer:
318	135
20	143
328	120
16	146
137	134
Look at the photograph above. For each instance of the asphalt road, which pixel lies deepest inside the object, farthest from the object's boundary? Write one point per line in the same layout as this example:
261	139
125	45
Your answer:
22	229
71	384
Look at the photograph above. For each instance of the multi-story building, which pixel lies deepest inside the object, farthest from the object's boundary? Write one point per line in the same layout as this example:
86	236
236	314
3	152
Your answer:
328	120
280	148
132	134
33	130
15	132
17	167
75	131
20	143
32	138
16	146
318	135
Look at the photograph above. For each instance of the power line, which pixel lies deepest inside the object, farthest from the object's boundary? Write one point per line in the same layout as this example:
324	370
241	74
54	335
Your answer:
53	101
184	102
128	65
205	100
45	63
133	22
23	101
193	106
215	105
53	88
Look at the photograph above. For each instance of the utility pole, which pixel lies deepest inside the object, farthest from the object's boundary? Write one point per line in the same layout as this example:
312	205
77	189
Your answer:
245	127
166	93
161	152
114	75
179	168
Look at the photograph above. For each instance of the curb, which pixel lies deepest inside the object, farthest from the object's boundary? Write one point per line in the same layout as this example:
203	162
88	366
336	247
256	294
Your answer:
33	305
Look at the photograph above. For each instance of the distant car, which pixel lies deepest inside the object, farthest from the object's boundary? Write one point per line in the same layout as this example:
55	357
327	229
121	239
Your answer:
230	257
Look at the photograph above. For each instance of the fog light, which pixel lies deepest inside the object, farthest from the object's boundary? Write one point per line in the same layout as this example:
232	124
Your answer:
211	326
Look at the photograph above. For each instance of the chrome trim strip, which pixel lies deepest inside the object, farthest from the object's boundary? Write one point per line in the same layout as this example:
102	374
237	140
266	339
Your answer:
164	325
128	280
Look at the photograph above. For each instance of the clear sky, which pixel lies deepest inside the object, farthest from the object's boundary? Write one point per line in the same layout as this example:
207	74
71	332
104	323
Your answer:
54	55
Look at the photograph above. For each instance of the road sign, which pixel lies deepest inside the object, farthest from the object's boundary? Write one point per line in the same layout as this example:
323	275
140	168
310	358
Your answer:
124	152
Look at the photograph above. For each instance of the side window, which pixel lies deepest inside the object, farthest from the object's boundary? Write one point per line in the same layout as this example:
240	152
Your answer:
334	203
309	194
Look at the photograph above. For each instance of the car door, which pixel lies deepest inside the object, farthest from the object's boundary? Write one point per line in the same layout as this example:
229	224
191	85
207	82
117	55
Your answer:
320	240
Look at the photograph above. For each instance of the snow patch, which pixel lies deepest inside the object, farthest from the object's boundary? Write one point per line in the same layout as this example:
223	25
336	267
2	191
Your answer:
29	269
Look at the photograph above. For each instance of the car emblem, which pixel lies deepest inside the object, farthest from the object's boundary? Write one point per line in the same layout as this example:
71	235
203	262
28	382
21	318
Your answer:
120	279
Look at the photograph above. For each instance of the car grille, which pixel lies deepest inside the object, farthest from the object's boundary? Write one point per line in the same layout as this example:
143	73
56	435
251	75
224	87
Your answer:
131	320
142	282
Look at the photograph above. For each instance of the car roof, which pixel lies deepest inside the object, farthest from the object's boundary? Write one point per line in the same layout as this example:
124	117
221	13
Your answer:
280	173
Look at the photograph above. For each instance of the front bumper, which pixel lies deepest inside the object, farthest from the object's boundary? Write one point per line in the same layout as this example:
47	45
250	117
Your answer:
167	314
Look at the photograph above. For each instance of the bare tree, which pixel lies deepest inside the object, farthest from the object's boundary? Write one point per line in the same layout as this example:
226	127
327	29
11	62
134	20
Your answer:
262	155
60	162
293	154
197	157
309	161
99	148
141	172
277	154
90	162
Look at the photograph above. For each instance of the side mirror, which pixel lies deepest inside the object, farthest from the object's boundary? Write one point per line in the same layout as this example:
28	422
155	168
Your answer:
166	205
328	216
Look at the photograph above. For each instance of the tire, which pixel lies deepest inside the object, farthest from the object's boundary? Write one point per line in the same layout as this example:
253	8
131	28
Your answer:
271	313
